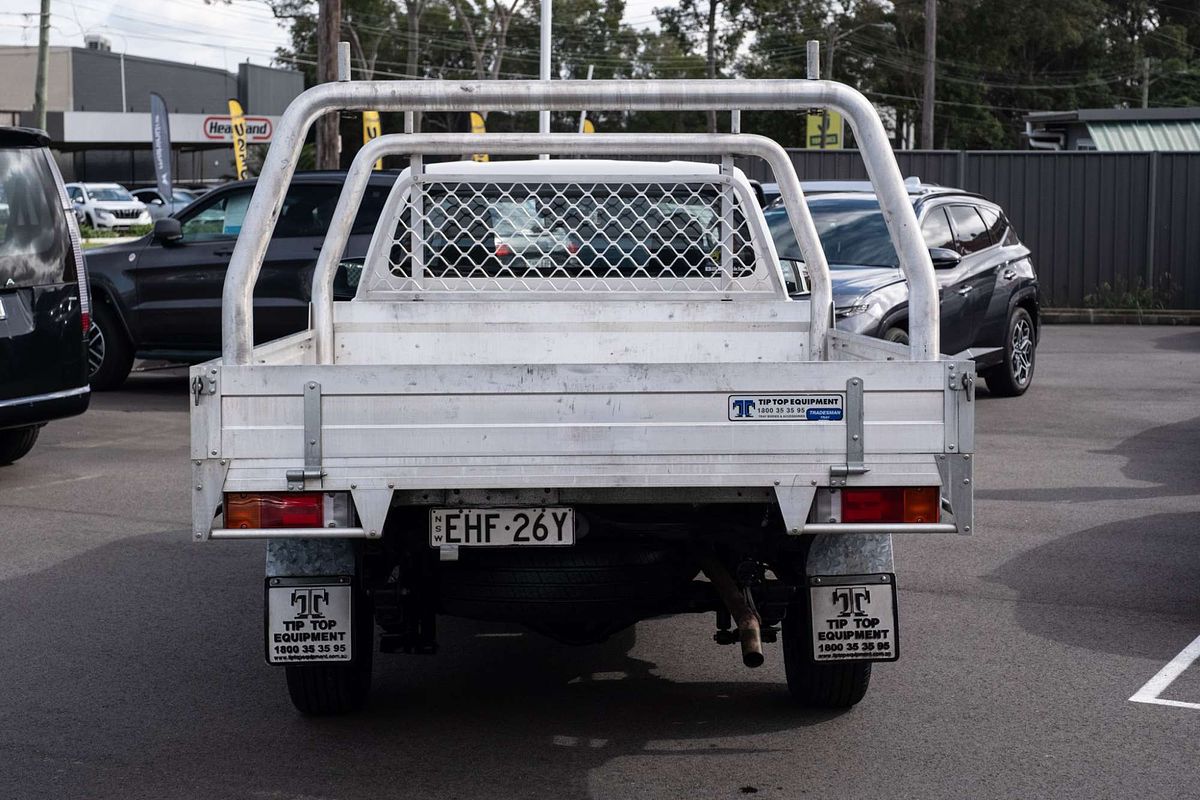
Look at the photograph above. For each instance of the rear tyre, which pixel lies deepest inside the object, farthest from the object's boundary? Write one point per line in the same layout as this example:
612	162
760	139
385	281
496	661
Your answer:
895	334
16	443
110	356
1015	375
812	685
321	690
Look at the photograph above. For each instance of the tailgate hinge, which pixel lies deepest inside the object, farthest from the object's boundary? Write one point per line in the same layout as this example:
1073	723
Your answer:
312	471
854	436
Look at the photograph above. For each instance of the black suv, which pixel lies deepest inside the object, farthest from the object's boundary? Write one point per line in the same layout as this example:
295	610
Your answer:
986	279
160	296
43	295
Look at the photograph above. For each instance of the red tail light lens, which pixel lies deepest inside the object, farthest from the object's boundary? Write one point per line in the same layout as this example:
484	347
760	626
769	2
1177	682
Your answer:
76	263
892	504
503	249
572	247
275	510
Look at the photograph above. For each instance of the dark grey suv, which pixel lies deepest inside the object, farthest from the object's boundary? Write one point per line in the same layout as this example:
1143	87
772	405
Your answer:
988	286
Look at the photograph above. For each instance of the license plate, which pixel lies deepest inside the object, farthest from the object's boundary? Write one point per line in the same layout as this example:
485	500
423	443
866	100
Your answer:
501	527
309	619
853	617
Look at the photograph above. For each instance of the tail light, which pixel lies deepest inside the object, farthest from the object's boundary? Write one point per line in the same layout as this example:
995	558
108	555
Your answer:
275	510
572	247
85	297
892	504
503	249
81	277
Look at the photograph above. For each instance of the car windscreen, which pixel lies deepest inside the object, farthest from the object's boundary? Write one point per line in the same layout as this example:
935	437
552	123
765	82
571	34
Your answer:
852	232
34	242
110	193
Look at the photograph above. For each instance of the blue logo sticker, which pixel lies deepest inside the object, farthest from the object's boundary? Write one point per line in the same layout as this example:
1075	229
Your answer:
823	414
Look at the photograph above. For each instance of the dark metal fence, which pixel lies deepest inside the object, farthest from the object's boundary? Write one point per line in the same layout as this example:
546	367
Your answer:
1105	228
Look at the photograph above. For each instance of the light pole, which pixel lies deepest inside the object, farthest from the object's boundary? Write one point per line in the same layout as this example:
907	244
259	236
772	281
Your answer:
43	67
930	83
544	70
124	47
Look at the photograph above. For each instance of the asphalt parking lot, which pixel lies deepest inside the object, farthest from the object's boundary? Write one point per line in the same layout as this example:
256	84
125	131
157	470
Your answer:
130	657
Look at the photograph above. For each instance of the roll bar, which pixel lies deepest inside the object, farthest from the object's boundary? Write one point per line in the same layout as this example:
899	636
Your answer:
566	144
669	95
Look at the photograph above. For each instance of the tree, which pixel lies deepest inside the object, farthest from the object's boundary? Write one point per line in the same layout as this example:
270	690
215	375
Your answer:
486	29
715	27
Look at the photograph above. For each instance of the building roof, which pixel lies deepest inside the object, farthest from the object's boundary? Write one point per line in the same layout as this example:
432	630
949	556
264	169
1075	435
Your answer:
1174	136
1129	129
1116	115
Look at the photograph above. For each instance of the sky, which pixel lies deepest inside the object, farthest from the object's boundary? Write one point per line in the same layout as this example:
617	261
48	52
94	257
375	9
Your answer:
215	34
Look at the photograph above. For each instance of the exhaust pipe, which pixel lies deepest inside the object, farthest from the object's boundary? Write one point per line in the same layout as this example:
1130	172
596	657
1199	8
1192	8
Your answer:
748	625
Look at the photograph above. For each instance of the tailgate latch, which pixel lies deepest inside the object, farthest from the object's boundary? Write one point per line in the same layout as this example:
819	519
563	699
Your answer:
312	471
854	436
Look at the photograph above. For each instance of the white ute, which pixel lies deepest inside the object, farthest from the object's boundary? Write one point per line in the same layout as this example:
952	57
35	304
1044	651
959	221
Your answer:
575	393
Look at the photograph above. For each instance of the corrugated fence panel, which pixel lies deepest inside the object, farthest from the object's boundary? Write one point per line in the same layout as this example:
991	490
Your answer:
1125	221
1177	228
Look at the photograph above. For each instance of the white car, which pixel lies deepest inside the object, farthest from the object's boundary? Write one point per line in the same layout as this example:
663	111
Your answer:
107	205
158	208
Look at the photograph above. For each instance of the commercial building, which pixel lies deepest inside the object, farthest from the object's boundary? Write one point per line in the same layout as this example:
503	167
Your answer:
1115	129
99	110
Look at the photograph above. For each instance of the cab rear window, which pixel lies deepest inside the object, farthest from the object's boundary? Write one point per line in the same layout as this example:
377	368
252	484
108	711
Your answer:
34	242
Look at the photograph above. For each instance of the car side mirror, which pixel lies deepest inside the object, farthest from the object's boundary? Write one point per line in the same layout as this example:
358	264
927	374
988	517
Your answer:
944	257
168	230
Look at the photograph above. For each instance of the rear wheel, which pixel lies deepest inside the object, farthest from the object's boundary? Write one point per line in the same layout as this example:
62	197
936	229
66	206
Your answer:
895	334
835	685
15	443
110	356
1015	375
320	690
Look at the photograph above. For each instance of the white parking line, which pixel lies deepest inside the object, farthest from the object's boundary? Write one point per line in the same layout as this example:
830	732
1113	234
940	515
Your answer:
1159	683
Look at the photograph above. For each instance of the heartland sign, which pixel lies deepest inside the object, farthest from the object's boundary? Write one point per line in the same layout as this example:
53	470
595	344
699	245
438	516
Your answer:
112	127
258	129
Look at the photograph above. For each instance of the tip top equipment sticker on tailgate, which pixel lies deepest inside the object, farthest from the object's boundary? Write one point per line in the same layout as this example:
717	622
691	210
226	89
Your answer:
789	407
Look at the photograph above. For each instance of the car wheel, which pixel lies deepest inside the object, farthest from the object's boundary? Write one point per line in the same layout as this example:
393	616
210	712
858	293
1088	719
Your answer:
15	443
895	334
813	685
110	356
1015	374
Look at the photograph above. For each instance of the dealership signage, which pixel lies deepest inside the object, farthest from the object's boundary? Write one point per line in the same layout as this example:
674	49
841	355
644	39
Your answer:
258	129
113	127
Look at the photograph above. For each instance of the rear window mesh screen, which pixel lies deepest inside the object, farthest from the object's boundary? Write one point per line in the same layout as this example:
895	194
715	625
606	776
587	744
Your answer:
572	236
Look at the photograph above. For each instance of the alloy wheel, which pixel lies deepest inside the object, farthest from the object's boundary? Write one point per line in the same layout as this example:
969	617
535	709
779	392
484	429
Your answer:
1022	352
95	348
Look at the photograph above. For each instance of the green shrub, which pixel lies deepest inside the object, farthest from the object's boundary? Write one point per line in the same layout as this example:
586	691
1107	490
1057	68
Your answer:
1119	295
88	232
